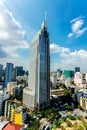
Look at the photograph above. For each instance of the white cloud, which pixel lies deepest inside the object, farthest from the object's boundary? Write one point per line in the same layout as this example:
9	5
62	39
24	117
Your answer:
54	48
70	34
68	59
11	32
77	26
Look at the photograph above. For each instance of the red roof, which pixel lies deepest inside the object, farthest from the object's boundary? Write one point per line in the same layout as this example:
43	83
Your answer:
12	126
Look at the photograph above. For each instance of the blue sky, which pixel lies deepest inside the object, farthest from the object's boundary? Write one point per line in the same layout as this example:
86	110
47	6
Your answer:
66	23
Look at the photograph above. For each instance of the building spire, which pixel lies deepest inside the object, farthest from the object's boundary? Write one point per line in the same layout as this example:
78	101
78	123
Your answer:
45	16
45	19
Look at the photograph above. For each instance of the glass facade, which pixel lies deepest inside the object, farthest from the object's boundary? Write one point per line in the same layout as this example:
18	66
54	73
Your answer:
39	69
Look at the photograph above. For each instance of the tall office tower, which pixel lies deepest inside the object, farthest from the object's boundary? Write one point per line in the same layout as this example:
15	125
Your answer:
1	72
19	71
9	73
38	94
77	69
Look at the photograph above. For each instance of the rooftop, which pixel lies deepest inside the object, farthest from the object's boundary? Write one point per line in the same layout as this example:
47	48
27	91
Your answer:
12	126
3	123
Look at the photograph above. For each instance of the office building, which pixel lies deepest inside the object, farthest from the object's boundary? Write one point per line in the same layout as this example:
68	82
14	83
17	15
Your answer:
1	72
77	69
9	73
38	94
59	72
18	71
69	74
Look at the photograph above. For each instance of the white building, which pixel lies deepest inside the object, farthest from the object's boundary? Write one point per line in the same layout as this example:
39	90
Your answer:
39	72
3	96
78	80
53	78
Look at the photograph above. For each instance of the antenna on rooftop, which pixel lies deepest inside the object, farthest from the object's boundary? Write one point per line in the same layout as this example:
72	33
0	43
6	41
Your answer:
45	16
45	20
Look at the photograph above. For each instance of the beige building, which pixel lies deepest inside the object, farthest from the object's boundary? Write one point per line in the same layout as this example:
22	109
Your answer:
83	102
11	86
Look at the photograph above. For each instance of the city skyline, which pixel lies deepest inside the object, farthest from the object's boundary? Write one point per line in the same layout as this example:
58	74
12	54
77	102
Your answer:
67	26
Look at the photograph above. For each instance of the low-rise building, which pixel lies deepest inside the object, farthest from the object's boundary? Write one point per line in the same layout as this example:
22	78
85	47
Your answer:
82	98
11	86
19	115
3	96
8	107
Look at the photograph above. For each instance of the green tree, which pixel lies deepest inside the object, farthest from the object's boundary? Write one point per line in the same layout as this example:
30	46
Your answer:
57	124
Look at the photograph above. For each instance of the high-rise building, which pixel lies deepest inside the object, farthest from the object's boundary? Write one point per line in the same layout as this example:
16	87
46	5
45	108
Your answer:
19	71
9	73
69	74
38	94
59	72
77	69
1	72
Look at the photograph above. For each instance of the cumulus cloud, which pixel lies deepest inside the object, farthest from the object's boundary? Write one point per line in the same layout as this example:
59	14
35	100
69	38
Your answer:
12	36
68	59
54	48
77	26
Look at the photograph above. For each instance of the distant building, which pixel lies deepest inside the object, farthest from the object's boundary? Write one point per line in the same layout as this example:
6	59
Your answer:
53	78
1	72
11	86
16	91
59	72
38	96
19	71
9	73
69	74
82	98
80	79
77	69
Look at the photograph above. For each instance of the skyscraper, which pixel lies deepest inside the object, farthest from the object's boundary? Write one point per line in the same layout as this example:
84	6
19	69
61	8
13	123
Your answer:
1	72
38	94
9	73
77	69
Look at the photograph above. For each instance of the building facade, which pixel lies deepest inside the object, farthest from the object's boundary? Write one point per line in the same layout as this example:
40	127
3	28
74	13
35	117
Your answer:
9	105
9	73
69	74
1	72
39	72
77	69
1	101
19	116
